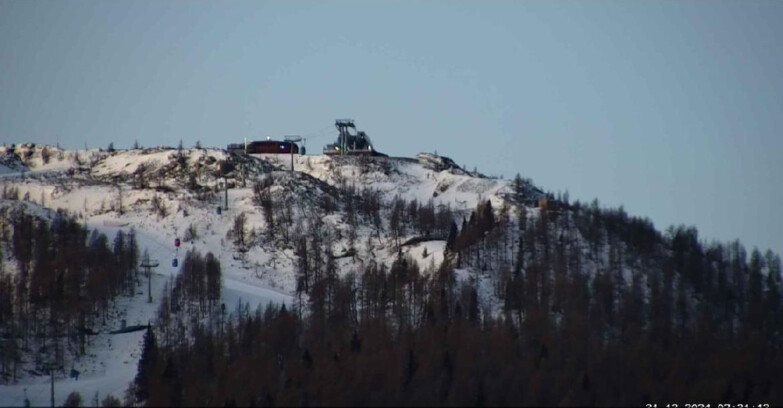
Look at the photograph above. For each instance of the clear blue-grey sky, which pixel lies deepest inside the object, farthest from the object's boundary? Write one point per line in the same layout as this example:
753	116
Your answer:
672	109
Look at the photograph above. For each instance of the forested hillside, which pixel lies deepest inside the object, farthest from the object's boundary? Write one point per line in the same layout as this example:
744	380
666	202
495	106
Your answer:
392	281
665	318
65	282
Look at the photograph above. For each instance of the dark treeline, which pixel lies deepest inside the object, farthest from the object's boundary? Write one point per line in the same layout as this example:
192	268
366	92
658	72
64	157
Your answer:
596	308
66	281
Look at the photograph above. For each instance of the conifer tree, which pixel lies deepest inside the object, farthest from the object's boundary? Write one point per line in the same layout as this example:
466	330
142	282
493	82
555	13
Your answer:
149	356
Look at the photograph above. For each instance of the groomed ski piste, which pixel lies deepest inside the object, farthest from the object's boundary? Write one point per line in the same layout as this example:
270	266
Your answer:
84	182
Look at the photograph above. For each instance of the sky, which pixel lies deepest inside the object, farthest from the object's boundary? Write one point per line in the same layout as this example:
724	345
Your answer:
673	110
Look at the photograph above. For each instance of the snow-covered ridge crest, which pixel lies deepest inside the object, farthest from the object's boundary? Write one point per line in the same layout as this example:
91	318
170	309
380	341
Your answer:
440	163
426	177
184	174
161	165
32	156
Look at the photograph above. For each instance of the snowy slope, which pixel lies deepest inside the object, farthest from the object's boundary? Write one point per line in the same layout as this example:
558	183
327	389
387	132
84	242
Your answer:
420	179
94	185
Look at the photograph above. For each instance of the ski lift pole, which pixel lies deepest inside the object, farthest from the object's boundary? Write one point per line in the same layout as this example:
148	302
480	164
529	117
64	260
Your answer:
148	265
292	140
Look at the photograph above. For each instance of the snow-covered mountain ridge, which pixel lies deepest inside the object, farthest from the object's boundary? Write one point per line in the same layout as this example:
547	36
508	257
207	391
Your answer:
186	187
93	182
166	193
163	192
361	225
